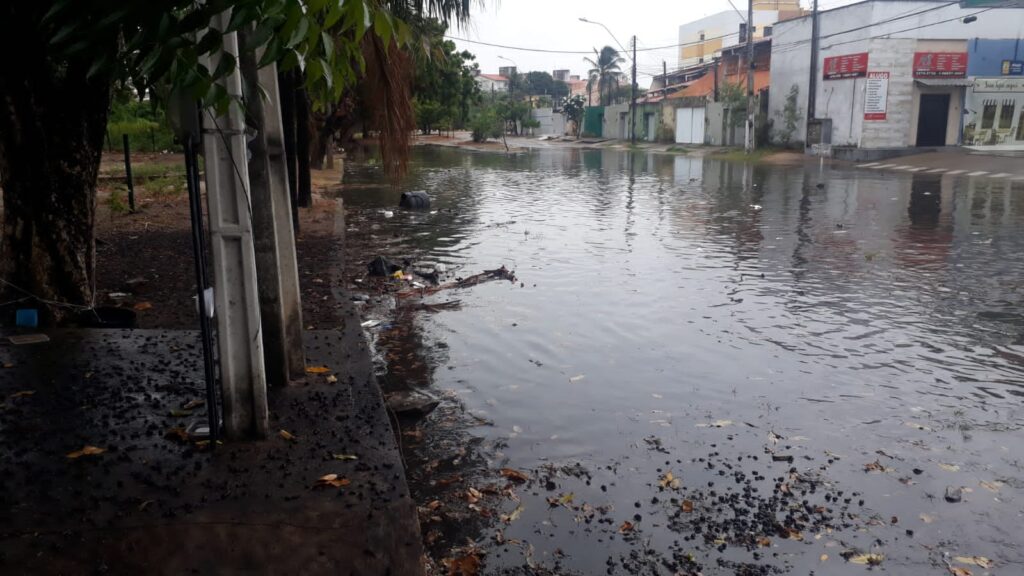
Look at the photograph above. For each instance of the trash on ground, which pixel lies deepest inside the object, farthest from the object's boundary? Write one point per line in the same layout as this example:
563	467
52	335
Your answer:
21	339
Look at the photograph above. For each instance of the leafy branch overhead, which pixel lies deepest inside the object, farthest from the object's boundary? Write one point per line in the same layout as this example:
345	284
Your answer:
169	40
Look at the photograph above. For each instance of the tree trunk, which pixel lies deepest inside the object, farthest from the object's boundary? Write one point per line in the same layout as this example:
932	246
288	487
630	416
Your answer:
302	142
52	124
286	87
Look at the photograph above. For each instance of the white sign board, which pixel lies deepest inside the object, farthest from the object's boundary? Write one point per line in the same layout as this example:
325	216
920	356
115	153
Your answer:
876	95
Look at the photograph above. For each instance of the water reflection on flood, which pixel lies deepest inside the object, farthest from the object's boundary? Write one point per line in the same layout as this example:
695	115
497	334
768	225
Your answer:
878	312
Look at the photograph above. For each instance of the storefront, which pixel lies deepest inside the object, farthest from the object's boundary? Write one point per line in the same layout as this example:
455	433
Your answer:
995	101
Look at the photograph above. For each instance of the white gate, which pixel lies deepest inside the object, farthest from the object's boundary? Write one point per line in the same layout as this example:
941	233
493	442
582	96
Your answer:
689	125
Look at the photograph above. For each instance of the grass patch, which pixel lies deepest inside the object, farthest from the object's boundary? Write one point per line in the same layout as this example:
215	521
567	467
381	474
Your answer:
740	155
677	150
116	201
170	186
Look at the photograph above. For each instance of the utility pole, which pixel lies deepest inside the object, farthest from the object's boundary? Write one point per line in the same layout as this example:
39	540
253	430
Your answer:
664	78
812	85
632	103
749	145
236	297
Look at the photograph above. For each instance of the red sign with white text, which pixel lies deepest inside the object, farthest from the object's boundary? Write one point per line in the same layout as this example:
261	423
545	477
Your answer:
846	66
940	64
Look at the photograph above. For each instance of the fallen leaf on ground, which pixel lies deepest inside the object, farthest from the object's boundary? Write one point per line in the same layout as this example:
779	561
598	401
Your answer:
715	424
626	527
86	451
949	467
473	495
562	500
178	413
866	559
22	394
141	306
764	542
927	518
577	378
513	516
332	480
344	456
177	433
317	369
468	565
792	534
991	486
974	561
193	404
687	506
958	571
876	466
824	558
514	475
331	379
666	480
287	435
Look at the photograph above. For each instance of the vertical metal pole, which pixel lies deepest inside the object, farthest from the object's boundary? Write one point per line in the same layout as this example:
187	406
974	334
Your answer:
749	144
199	251
128	172
632	99
812	85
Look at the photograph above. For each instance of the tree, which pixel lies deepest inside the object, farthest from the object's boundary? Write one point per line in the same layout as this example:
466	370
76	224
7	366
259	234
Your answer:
444	82
56	95
536	83
791	114
573	109
605	72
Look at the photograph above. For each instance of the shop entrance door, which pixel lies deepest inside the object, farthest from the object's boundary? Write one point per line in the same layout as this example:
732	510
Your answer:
932	118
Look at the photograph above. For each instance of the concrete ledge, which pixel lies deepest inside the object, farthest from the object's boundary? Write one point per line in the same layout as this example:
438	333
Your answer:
853	154
150	504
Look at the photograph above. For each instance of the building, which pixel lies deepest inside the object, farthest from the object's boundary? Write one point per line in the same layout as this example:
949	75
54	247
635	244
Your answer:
701	40
994	110
704	110
895	74
491	83
507	71
562	75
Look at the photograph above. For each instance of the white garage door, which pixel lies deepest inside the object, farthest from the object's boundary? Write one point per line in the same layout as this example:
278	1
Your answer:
689	125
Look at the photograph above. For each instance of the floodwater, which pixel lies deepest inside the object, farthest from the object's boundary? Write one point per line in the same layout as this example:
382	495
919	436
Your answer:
710	320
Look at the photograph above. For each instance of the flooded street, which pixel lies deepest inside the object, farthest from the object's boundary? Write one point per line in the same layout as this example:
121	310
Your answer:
705	366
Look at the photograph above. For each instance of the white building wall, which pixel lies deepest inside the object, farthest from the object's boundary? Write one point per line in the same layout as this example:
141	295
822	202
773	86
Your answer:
905	35
725	24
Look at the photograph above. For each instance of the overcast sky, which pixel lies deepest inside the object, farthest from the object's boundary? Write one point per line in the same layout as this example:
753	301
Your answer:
555	25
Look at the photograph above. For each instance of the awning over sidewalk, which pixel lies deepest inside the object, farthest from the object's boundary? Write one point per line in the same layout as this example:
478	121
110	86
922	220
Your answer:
945	81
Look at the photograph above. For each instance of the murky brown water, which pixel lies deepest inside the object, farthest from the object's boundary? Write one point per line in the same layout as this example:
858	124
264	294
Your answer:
697	317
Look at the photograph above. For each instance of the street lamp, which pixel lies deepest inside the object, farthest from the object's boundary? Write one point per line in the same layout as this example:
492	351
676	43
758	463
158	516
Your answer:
632	85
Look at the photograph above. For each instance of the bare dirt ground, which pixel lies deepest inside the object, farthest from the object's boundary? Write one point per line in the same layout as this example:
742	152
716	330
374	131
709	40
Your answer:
145	261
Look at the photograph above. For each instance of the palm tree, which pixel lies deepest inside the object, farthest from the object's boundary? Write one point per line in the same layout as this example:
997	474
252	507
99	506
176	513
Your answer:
606	70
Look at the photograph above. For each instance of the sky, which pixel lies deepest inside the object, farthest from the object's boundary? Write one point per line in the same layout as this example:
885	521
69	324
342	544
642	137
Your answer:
555	25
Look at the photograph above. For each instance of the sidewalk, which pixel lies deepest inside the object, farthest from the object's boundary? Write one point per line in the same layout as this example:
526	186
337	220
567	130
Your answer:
154	502
958	161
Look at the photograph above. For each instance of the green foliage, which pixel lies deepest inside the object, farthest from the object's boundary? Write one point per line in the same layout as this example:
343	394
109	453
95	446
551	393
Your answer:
791	115
143	43
605	73
734	97
573	109
145	123
444	84
116	202
486	124
536	83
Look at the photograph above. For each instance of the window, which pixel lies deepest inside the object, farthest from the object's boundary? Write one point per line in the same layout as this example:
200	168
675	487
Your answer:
702	36
1006	115
988	114
767	31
